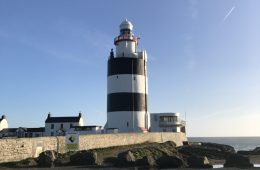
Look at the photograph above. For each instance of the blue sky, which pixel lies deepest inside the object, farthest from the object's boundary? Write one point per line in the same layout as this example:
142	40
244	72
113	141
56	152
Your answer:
204	59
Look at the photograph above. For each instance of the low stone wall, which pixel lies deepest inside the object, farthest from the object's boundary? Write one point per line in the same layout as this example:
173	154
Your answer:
20	148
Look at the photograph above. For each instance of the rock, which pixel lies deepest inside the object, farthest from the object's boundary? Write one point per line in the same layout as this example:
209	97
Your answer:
242	152
210	150
170	162
239	161
221	147
195	161
147	161
85	158
29	162
47	158
126	159
146	156
63	159
256	151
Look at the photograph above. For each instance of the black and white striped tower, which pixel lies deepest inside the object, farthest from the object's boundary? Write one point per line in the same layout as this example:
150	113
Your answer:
127	88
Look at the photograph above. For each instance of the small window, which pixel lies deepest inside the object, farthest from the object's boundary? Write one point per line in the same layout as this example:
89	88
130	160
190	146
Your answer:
134	78
117	77
52	134
127	124
71	125
61	126
52	126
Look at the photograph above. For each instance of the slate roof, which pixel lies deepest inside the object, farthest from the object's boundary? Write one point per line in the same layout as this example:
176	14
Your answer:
6	130
62	119
40	129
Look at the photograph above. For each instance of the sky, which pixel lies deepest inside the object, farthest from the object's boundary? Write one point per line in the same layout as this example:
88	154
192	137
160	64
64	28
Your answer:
203	60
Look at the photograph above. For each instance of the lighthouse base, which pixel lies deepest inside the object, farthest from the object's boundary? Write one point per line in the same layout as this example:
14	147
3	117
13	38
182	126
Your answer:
128	121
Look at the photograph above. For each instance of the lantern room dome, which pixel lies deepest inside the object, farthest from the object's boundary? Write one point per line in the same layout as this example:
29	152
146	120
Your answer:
126	25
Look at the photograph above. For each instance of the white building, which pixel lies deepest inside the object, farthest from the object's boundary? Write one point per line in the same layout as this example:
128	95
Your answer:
55	126
127	87
166	122
3	122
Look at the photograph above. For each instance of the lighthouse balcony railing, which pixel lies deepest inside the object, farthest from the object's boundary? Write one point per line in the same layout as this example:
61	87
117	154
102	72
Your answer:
125	37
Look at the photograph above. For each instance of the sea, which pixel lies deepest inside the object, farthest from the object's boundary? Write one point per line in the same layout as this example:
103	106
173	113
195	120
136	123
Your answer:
239	143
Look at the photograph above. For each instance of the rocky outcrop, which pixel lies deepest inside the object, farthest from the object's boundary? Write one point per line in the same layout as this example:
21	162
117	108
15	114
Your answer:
47	158
210	150
256	151
84	158
173	161
126	159
220	147
29	162
195	161
239	161
161	155
63	159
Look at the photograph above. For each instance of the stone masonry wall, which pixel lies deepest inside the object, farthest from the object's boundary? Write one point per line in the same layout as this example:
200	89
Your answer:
21	148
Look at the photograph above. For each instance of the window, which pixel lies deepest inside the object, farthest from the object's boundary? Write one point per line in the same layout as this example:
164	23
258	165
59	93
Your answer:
134	78
61	126
117	77
71	125
164	130
127	124
52	126
52	134
168	119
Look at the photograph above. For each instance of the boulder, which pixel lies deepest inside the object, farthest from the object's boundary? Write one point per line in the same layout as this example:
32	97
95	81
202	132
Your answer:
85	158
256	151
221	147
242	152
63	159
210	150
47	158
29	162
170	162
195	161
239	161
147	161
126	159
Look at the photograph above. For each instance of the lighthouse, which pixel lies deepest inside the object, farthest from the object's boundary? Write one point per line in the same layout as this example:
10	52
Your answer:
127	88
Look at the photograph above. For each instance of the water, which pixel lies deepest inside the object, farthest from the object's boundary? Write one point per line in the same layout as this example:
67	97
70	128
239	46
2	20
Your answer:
239	143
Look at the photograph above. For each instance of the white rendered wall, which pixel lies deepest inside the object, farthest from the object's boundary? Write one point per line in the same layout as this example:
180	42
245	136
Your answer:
125	49
3	124
126	83
119	119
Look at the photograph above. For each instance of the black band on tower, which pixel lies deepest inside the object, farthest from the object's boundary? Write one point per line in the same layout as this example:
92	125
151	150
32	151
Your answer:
124	65
126	102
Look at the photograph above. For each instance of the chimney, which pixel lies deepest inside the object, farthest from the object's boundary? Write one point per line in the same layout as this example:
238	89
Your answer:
80	114
49	114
